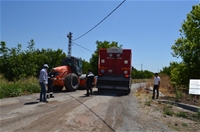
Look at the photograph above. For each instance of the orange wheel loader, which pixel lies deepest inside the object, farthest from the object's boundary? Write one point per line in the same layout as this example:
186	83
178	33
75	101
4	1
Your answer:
69	75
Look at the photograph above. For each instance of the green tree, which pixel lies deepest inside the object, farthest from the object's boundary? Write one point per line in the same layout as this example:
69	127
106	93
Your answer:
94	58
9	60
16	64
187	47
85	66
178	74
166	70
135	74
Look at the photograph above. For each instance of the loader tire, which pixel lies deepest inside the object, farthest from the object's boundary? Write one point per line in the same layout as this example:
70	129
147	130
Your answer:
71	82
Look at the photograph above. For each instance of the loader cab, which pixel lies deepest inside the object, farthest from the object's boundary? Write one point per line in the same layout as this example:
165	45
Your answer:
74	63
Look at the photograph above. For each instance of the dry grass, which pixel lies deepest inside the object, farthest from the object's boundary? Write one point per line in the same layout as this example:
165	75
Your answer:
170	92
165	86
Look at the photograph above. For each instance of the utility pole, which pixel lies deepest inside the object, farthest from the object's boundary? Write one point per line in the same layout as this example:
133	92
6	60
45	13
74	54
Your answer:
141	67
69	44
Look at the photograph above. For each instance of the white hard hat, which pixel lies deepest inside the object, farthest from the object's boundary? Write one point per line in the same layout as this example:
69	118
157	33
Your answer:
46	66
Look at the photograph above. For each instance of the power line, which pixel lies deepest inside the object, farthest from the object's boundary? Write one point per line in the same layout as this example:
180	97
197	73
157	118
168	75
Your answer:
150	68
100	21
82	47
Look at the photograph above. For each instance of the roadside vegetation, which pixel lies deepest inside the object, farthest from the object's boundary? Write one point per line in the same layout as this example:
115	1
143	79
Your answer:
17	88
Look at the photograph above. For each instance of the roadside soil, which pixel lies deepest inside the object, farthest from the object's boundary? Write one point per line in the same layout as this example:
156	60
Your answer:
176	118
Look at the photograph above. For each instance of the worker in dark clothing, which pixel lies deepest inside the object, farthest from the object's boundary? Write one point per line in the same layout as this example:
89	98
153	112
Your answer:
50	87
90	79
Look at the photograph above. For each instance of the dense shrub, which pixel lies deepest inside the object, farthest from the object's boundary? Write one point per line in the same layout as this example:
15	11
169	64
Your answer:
20	87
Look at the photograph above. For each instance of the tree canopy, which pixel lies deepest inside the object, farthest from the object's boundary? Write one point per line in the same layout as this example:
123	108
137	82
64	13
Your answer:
16	63
187	47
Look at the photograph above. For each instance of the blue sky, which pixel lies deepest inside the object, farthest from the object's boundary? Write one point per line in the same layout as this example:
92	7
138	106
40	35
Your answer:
147	27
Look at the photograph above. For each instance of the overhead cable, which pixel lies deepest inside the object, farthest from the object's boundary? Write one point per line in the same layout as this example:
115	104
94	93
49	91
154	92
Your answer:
150	68
82	47
100	21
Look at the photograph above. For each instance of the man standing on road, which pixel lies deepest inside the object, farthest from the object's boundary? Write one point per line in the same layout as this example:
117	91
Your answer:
90	79
156	86
43	80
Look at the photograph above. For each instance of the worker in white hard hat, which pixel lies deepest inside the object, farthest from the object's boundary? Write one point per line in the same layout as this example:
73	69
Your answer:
43	80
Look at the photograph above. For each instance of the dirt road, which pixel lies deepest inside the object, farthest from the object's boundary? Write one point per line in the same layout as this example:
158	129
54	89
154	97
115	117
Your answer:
72	111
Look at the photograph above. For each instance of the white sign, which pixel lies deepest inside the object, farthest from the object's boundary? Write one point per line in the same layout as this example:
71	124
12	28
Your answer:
194	86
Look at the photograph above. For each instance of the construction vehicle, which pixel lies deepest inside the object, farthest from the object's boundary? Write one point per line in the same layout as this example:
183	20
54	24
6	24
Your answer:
114	70
69	75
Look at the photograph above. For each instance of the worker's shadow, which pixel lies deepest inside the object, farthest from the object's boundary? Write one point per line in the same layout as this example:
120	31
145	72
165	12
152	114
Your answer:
31	103
84	96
